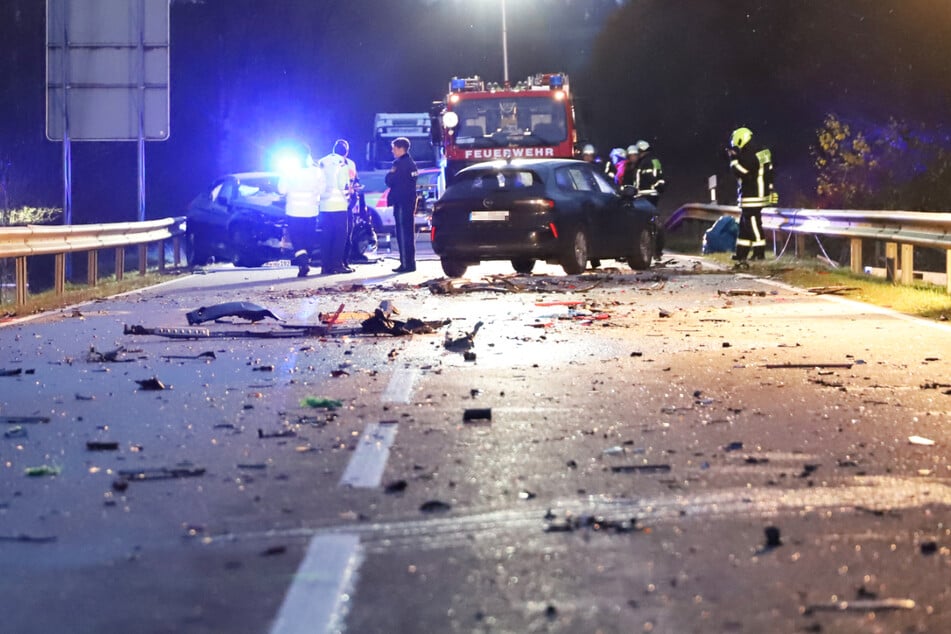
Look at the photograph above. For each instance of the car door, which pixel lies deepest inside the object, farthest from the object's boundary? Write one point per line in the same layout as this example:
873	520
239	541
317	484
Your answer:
594	203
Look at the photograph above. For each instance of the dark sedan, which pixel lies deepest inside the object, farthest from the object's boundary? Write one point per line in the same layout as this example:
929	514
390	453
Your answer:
562	211
239	219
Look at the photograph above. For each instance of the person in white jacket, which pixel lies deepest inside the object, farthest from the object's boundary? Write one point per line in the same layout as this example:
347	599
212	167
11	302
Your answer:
334	209
302	187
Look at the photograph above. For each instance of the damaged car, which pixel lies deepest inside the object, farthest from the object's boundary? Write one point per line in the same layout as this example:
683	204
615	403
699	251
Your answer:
562	211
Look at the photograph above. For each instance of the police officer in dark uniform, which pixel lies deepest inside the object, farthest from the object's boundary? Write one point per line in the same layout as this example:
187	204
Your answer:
401	179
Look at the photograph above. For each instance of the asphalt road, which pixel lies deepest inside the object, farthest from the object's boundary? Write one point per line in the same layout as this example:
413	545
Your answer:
678	450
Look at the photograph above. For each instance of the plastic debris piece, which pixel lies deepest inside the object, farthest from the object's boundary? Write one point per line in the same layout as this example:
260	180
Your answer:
733	446
862	605
468	355
110	356
477	414
161	473
929	547
773	539
29	539
284	433
42	471
807	366
321	402
101	445
208	355
15	432
243	310
921	440
641	468
24	420
263	368
434	506
526	495
464	342
397	486
733	292
273	550
152	384
16	372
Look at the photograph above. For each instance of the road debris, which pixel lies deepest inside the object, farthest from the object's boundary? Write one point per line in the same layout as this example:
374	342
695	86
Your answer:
435	506
152	384
284	433
205	356
29	539
598	523
641	468
109	356
397	486
807	366
477	414
43	471
16	372
921	440
831	290
463	342
734	292
243	310
320	402
101	445
161	473
861	605
15	432
24	420
773	539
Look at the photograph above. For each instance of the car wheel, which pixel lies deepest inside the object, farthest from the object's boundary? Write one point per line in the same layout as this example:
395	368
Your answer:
640	259
523	265
197	251
454	268
243	243
575	258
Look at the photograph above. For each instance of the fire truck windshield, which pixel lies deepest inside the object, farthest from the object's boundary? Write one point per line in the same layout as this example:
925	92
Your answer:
518	121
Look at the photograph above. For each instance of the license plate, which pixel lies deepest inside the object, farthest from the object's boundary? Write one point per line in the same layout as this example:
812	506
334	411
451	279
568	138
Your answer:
494	215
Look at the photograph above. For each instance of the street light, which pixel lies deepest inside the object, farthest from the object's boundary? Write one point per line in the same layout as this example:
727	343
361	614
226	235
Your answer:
505	48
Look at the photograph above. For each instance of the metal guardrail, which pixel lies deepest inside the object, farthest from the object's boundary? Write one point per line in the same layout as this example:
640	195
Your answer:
22	242
901	231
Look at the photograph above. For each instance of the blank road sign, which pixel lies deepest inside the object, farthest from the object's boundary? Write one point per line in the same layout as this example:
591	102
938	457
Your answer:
107	69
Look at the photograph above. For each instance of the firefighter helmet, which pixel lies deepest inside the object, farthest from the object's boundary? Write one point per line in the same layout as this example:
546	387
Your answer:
740	137
588	149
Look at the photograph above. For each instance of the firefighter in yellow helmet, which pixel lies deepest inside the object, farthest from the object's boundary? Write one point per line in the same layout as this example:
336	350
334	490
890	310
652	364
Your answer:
753	169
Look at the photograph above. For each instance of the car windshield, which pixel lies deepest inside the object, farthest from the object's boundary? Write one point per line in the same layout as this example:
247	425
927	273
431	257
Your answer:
252	186
481	182
515	122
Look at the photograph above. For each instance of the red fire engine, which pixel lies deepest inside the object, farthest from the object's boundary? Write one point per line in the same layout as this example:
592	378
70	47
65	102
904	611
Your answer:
481	122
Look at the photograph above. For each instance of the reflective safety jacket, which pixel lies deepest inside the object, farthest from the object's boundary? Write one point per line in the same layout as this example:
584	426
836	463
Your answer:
302	188
648	176
754	177
336	171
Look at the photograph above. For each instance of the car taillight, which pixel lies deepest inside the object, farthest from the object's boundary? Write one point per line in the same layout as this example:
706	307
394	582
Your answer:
554	229
432	234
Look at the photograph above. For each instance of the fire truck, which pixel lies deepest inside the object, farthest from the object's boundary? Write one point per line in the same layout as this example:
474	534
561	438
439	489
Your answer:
481	121
387	126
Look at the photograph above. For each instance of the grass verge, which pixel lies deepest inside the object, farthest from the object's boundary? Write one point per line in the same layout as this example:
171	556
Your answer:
920	299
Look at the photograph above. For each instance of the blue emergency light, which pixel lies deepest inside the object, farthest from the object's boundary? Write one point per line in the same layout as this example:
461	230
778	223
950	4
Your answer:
457	84
556	81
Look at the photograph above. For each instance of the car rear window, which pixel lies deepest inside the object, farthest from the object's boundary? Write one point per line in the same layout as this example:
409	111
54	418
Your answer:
479	183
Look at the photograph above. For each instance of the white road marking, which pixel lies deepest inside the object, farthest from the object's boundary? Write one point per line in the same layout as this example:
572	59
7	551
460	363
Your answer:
319	596
400	387
367	463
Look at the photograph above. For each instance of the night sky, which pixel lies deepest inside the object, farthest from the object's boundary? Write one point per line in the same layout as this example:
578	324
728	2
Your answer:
247	74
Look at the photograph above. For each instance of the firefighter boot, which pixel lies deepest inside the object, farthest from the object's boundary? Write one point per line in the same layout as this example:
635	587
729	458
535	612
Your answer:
759	253
302	260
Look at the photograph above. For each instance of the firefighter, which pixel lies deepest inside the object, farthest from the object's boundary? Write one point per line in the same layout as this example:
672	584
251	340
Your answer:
333	210
754	180
342	147
589	154
645	173
302	187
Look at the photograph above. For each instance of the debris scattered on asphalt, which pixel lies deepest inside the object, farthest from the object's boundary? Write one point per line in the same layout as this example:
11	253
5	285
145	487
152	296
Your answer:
110	356
29	539
463	342
16	372
435	506
43	471
807	366
831	290
475	414
160	473
733	446
15	432
526	495
320	402
284	433
397	486
24	420
101	445
641	468
208	355
243	310
773	539
257	466
929	547
571	523
861	605
151	384
920	440
263	368
733	292
273	550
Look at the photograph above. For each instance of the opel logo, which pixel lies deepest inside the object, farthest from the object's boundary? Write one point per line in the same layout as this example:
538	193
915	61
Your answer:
487	203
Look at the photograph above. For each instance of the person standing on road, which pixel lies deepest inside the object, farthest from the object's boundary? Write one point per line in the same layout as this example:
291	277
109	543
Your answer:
333	211
401	179
342	147
302	187
647	176
754	180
